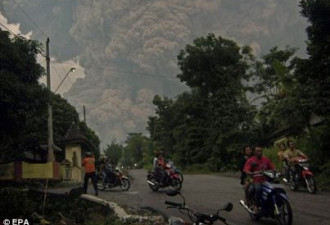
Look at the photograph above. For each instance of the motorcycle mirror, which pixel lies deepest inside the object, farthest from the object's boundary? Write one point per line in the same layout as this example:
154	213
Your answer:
172	192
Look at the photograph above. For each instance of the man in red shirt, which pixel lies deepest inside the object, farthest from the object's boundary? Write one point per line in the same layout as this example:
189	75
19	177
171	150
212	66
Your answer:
89	164
253	166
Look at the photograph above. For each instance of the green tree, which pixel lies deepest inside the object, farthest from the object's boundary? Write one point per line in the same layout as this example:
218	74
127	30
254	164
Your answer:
281	107
198	125
91	136
21	96
114	151
313	73
23	101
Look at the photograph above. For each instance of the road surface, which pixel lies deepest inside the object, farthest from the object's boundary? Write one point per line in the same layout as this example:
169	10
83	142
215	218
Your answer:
207	193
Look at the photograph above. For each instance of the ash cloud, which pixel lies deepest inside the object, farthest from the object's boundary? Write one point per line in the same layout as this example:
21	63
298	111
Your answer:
128	49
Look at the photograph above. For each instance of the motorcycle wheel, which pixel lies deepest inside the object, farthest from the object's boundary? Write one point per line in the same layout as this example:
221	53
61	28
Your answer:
180	176
285	212
125	184
176	184
310	184
154	187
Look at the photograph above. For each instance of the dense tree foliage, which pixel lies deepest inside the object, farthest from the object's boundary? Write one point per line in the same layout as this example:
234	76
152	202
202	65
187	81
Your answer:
313	75
114	151
21	97
210	123
200	126
314	72
280	106
23	101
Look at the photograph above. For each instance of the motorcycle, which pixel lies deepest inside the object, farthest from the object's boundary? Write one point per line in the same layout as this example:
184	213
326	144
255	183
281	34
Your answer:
196	217
171	179
118	180
273	201
173	169
302	176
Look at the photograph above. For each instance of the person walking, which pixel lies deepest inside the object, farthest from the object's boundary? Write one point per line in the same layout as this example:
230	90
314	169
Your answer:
89	164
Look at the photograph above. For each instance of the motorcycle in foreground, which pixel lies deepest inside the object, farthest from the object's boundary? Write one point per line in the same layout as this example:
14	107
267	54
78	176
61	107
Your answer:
196	217
273	201
118	180
302	176
171	179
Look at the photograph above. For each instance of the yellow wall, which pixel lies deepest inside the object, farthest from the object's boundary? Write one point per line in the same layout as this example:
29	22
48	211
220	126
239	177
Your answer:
76	172
69	149
7	171
37	171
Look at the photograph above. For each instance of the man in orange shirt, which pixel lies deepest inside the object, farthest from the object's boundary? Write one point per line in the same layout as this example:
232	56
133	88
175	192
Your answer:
89	164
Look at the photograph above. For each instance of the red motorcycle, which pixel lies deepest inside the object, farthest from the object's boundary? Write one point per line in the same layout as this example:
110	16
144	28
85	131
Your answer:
171	179
172	169
300	175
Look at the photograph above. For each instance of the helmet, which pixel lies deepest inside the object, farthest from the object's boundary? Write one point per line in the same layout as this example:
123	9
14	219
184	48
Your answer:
88	154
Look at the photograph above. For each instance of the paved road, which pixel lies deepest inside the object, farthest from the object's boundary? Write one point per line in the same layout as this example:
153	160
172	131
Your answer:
206	193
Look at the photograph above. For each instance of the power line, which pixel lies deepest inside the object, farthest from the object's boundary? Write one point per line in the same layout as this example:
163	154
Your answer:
8	30
32	21
57	73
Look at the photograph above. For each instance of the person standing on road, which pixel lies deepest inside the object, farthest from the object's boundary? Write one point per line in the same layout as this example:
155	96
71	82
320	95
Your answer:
89	164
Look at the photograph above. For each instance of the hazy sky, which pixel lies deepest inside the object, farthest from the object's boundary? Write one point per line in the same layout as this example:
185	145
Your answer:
126	50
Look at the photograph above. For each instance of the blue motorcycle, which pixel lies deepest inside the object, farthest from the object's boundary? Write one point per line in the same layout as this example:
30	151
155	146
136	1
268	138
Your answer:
272	201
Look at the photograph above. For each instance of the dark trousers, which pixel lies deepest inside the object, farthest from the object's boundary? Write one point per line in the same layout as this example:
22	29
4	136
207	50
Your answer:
255	190
92	176
161	175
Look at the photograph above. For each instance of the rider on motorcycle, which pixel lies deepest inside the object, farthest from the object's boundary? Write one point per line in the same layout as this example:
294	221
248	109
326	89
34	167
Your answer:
252	167
159	165
291	154
108	171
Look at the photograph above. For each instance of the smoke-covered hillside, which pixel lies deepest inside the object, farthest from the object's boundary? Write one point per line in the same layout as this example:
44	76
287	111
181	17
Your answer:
128	48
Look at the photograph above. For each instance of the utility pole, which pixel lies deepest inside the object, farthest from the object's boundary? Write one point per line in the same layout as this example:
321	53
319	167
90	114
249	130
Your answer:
50	156
84	109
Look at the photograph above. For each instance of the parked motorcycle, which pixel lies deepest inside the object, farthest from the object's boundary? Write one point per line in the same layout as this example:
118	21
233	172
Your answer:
302	176
171	168
196	217
171	180
119	180
273	201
